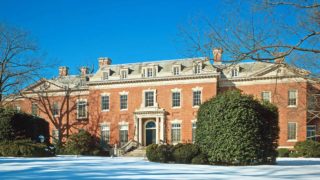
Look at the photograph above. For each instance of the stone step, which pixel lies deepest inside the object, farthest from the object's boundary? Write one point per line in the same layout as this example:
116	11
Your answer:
140	152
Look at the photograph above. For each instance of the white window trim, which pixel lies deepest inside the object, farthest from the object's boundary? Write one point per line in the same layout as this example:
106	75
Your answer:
123	123
179	69
176	121
197	89
293	106
104	94
296	138
155	104
108	74
124	70
127	94
173	91
270	100
86	109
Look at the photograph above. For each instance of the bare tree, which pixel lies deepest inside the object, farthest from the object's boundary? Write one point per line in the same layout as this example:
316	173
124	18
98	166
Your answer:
19	61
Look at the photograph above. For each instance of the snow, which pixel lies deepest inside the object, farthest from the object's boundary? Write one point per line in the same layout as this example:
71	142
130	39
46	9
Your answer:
85	167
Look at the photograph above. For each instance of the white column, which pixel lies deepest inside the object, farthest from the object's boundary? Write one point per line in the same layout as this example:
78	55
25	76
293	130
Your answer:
157	130
136	128
140	131
162	129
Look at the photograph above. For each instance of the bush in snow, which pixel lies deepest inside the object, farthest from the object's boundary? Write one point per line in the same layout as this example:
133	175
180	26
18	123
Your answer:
283	152
307	148
184	153
200	159
159	153
236	129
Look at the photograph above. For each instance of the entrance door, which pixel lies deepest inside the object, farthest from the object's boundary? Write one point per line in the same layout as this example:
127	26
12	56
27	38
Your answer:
150	133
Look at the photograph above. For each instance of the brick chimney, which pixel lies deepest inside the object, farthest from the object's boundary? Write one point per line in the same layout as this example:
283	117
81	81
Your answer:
63	71
84	70
104	62
217	55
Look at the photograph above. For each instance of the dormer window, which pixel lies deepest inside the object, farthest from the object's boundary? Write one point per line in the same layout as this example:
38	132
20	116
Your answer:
149	72
124	74
176	70
105	75
235	72
197	68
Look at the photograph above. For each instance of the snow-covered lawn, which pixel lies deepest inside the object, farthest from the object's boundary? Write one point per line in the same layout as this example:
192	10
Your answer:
71	167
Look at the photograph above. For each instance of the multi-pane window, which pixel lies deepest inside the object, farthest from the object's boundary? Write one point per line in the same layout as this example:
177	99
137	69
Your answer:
175	99
311	132
194	126
105	75
149	99
266	96
292	131
292	98
34	109
105	135
55	135
123	134
149	72
176	132
55	109
105	102
196	98
234	72
124	74
82	109
124	101
197	68
176	71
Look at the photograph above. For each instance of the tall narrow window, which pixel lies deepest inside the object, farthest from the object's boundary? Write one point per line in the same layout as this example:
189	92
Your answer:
149	99
292	131
196	98
292	98
194	126
82	109
124	74
266	96
104	102
55	136
311	132
176	71
105	75
123	134
105	135
234	72
123	102
149	72
55	109
197	68
176	132
175	99
34	109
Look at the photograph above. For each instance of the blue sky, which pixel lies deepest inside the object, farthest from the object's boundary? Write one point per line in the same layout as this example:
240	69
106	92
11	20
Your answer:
77	32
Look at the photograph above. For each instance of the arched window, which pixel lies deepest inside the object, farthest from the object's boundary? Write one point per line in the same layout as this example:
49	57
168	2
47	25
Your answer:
150	125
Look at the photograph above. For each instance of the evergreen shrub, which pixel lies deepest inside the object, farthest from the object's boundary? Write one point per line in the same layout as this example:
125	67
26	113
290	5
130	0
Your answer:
308	148
184	153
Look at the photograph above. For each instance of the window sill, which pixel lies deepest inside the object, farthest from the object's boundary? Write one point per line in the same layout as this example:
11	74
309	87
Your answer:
195	107
123	109
292	140
292	106
107	110
176	107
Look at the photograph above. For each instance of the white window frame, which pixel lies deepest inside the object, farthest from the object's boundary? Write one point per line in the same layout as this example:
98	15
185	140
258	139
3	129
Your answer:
176	70
86	108
34	109
178	123
195	90
155	104
315	131
123	126
234	72
193	129
127	99
268	92
105	95
296	132
296	98
149	72
54	110
105	75
176	90
105	127
124	73
197	68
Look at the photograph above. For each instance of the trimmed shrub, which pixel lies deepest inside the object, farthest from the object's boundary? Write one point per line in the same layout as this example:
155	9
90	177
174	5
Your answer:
151	153
25	148
184	153
308	148
283	152
200	159
159	153
236	129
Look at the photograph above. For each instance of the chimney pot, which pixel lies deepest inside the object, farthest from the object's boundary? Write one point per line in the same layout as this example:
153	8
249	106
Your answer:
63	71
217	55
104	62
84	70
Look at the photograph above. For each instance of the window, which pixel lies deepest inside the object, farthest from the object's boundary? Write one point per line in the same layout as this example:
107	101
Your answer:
234	72
123	134
124	74
311	132
292	131
176	71
105	75
292	98
123	102
149	99
196	98
194	126
55	109
17	108
105	135
197	68
266	96
82	109
149	72
176	132
55	136
34	109
104	103
175	99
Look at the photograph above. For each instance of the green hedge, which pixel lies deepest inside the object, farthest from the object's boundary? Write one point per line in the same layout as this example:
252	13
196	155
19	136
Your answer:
159	153
236	129
200	159
307	148
283	152
25	148
184	153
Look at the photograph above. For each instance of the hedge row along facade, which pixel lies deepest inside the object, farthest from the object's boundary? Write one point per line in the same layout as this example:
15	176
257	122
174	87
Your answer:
155	102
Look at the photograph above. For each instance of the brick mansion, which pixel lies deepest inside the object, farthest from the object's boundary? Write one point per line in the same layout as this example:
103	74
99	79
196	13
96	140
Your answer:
157	102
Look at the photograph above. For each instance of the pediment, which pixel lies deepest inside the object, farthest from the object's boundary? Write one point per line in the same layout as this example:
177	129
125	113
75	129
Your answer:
279	70
43	85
